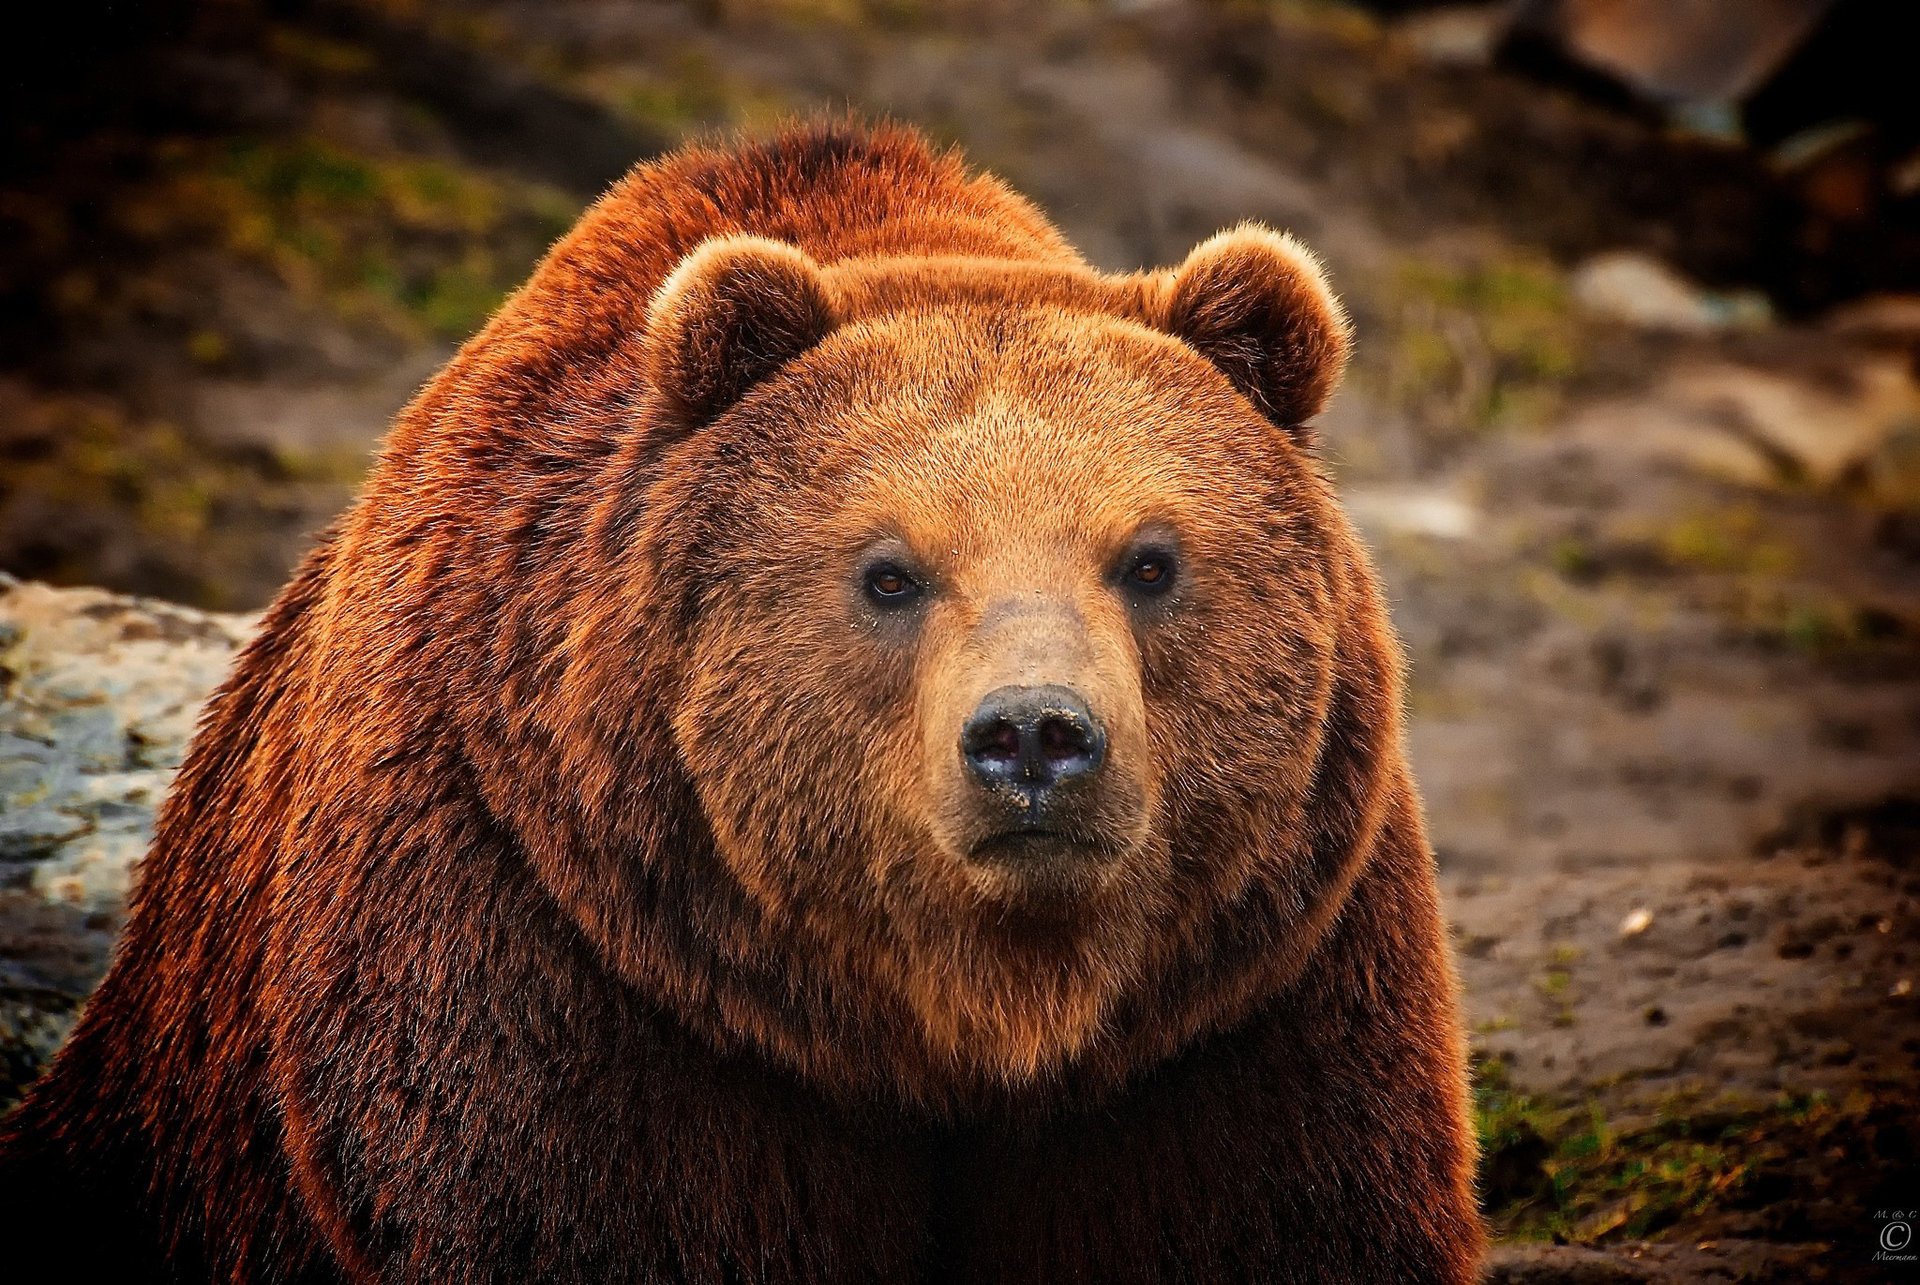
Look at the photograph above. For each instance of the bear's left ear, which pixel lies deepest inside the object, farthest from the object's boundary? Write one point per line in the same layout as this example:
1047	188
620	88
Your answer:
1255	303
736	310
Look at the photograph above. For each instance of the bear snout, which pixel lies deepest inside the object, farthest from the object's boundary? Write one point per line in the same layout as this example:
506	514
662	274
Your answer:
1035	770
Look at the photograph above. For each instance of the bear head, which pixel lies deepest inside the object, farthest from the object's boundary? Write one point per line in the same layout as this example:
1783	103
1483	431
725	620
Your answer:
975	682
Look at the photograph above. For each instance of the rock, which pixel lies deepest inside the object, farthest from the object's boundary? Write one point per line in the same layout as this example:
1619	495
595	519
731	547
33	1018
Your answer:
1705	51
1889	315
1533	1264
1857	419
1456	35
1661	1263
1407	510
1642	291
1819	430
98	697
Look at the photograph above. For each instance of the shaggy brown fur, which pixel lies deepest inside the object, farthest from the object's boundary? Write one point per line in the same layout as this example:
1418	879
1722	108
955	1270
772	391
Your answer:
577	880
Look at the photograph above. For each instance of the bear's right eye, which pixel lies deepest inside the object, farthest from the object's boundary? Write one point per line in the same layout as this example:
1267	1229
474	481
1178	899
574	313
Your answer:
889	586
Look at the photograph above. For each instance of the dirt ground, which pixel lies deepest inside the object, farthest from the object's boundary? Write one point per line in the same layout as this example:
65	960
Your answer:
1659	585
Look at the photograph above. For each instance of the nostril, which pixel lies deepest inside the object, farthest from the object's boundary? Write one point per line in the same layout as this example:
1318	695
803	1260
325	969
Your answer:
1062	739
998	741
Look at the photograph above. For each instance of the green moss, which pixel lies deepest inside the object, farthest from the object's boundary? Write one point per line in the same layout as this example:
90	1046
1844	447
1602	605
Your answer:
459	297
1338	19
1727	540
1498	1108
1559	1171
416	244
1821	625
1814	620
1484	346
1556	985
897	15
303	172
683	95
1573	559
208	347
92	458
1754	574
318	53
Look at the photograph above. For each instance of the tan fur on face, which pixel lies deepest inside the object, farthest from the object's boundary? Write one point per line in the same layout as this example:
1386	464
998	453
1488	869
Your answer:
1014	483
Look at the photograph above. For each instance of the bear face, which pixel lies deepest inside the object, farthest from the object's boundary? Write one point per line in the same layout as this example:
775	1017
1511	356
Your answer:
1007	603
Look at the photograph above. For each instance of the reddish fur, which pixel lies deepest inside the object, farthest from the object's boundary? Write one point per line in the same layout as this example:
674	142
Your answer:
475	943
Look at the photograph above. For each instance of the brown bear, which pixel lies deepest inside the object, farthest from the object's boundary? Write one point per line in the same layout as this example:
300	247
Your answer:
838	744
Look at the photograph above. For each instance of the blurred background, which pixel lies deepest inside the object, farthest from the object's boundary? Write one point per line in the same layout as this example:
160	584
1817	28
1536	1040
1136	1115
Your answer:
1633	427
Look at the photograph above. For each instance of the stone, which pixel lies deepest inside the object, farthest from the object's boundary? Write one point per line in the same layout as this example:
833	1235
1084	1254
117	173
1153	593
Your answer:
1642	291
98	698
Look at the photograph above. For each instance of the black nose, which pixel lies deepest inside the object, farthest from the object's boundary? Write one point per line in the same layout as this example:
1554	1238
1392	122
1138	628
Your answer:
1033	738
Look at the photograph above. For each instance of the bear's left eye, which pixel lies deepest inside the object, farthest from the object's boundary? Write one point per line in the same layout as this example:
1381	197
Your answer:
890	586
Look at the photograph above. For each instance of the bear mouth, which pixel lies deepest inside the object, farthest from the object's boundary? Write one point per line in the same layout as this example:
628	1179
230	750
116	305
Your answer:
1038	845
1043	880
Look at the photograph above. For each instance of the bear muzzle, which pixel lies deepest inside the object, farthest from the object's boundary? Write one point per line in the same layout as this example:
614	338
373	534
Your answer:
1034	759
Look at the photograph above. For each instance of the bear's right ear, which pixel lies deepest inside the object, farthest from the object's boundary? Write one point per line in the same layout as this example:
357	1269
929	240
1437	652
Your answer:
736	310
